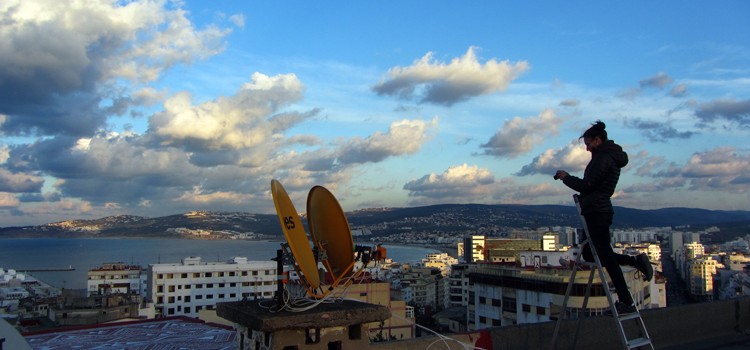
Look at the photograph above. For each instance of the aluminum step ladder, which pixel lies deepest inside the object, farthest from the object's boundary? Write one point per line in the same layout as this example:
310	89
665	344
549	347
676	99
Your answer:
643	341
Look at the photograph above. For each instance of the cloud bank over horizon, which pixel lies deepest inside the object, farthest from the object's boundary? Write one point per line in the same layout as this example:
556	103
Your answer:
156	107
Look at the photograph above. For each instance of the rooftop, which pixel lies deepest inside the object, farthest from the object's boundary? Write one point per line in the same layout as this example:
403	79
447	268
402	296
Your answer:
161	333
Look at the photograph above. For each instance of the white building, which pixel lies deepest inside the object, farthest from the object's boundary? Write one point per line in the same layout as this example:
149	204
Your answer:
441	261
550	242
509	295
114	278
192	285
701	281
474	248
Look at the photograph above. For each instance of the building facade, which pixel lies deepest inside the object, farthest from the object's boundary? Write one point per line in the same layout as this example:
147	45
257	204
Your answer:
115	278
186	288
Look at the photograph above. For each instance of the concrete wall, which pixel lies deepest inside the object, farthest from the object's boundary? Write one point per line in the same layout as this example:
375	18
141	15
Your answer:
694	326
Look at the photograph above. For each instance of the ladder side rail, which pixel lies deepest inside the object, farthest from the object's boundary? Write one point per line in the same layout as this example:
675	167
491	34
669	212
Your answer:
610	299
564	306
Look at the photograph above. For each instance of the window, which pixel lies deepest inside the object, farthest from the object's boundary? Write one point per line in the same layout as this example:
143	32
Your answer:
184	275
171	289
244	273
232	274
187	298
196	275
526	308
221	273
187	309
209	296
482	300
209	285
198	286
509	304
541	311
198	297
221	296
209	274
255	273
496	302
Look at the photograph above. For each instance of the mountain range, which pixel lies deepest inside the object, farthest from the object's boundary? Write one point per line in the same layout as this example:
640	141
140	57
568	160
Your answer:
459	218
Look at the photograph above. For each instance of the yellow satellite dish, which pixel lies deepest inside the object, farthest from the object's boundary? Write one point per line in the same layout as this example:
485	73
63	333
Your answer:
330	231
295	234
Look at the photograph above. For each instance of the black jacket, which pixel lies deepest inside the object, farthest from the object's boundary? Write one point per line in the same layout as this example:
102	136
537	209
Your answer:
600	178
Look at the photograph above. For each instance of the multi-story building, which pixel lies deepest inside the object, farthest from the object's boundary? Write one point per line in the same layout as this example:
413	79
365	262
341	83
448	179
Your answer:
635	236
507	250
474	249
441	261
191	286
508	295
458	285
401	323
116	278
550	242
700	283
689	252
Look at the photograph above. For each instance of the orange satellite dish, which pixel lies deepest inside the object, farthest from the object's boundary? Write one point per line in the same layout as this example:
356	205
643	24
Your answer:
295	234
330	231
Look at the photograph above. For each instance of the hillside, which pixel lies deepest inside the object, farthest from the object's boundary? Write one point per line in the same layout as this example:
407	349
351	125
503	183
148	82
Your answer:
458	218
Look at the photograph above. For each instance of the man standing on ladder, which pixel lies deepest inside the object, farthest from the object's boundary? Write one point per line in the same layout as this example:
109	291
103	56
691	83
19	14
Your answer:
597	186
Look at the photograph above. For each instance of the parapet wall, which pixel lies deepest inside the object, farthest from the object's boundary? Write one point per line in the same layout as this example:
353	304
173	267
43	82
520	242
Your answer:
688	327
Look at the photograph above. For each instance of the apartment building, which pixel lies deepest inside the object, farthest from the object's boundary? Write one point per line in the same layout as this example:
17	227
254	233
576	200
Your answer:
116	278
701	280
508	295
401	323
186	288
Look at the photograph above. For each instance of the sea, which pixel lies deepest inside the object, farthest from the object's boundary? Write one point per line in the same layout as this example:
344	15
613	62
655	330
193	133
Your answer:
83	254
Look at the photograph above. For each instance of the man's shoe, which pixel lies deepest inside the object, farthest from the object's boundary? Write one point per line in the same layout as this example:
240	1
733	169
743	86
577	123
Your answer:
643	264
623	309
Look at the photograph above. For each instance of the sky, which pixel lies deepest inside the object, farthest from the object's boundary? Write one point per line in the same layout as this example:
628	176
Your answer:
156	108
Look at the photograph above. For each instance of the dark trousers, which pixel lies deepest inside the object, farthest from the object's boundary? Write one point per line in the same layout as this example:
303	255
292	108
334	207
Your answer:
598	226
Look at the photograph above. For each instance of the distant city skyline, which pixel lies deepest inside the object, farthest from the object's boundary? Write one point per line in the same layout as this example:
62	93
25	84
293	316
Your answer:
154	108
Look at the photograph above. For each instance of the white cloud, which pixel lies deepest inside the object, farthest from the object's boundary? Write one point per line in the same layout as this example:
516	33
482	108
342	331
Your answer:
197	196
446	84
403	137
61	61
235	122
19	182
722	164
520	135
8	200
461	183
572	158
658	81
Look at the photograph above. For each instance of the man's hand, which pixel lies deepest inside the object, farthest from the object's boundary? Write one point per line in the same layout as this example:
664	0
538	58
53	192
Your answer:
561	174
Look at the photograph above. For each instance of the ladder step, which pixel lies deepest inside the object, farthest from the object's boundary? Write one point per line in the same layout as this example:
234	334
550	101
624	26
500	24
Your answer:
630	316
589	264
638	342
